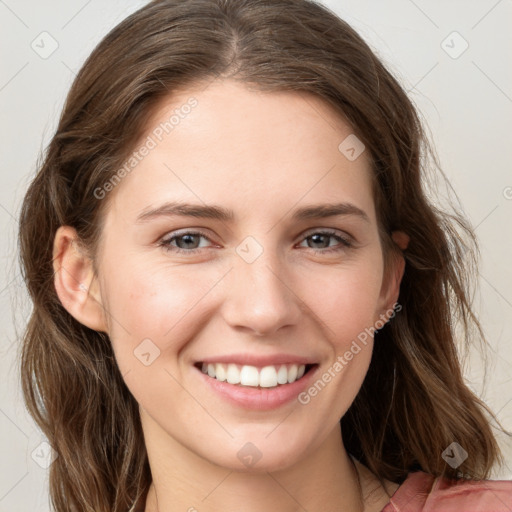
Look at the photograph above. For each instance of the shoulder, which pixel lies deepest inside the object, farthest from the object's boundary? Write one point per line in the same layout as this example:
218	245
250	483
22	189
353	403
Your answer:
423	492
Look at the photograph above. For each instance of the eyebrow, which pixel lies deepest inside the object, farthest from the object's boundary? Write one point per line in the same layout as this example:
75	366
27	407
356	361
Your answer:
319	211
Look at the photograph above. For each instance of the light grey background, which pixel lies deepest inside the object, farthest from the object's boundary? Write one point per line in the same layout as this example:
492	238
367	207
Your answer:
466	100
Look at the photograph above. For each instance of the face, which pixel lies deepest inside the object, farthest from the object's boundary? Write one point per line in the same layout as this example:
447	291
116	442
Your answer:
276	264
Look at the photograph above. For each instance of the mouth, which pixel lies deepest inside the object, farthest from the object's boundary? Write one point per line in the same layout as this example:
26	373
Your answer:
270	376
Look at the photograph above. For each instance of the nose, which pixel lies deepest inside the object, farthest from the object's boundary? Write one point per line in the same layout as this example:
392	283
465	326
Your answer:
260	297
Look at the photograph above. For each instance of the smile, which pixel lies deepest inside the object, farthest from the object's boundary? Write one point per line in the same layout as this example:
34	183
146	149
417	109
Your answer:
252	376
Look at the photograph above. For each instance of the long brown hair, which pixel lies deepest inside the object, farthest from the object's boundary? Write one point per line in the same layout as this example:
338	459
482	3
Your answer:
413	403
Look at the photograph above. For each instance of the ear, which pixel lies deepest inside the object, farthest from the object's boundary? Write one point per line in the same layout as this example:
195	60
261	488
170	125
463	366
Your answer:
75	282
391	282
401	239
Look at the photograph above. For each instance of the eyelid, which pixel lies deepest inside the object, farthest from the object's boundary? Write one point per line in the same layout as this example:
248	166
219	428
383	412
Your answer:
309	232
346	241
167	238
185	231
330	231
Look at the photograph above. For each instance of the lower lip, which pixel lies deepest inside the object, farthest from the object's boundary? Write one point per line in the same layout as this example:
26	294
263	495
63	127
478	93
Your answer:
262	399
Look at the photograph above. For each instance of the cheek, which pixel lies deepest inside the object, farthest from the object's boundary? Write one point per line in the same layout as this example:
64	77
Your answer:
346	299
345	302
154	315
152	303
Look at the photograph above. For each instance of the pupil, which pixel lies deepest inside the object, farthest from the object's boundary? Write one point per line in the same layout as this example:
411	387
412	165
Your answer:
187	240
316	237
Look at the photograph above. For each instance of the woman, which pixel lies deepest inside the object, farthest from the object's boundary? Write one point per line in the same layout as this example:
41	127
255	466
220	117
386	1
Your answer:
242	297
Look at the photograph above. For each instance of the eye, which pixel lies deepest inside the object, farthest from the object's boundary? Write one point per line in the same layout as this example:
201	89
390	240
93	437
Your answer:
189	242
322	239
186	242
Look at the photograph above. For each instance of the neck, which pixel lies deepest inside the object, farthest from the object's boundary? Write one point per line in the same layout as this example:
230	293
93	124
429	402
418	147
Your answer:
324	479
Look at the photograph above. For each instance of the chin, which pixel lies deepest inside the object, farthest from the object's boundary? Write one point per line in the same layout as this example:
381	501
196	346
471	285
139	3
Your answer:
258	457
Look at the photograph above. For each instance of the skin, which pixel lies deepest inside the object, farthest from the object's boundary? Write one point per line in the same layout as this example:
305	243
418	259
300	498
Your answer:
263	155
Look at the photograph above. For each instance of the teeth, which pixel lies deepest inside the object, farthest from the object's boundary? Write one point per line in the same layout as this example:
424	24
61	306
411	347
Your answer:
292	373
249	376
282	375
266	377
233	374
220	372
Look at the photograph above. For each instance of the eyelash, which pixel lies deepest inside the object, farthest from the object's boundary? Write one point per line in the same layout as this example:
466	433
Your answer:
345	243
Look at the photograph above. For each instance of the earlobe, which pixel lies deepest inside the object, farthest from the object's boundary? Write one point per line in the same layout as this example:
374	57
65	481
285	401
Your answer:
75	281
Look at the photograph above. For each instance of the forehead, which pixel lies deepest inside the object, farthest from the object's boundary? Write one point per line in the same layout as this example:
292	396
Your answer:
225	142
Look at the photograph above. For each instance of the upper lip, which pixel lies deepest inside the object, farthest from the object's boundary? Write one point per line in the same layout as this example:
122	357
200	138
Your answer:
259	360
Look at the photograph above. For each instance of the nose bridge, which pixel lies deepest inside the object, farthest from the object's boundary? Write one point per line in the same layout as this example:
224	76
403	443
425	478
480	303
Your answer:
258	296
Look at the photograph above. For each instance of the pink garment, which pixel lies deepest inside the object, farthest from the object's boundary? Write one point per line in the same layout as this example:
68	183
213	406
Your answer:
421	492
